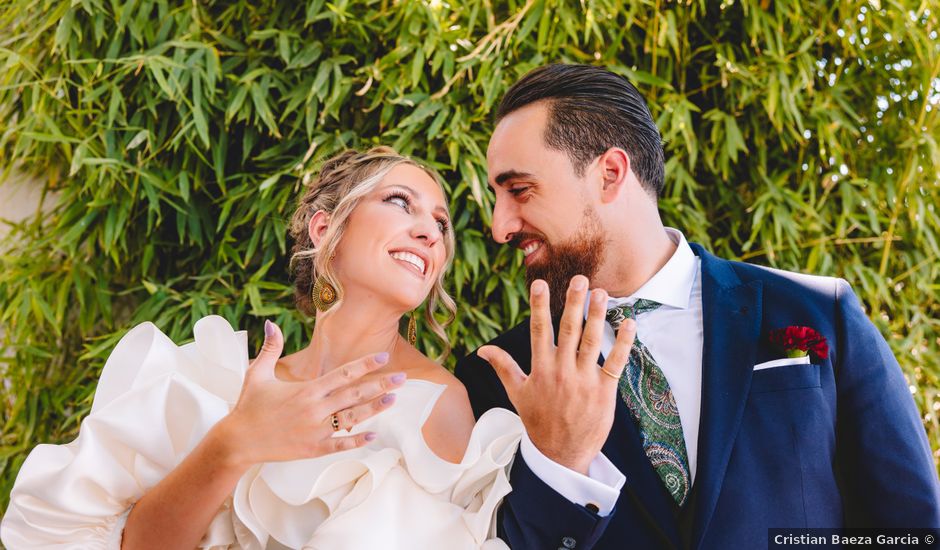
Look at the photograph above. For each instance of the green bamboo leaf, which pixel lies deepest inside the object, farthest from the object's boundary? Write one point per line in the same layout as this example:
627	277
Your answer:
236	104
263	109
306	56
199	116
268	182
64	30
417	67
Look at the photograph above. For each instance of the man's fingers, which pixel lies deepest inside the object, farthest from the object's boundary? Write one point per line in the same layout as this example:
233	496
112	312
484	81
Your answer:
619	355
541	335
349	373
506	368
593	334
572	319
263	364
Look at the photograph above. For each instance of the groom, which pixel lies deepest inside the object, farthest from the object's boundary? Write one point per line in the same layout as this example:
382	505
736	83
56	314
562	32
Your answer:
752	398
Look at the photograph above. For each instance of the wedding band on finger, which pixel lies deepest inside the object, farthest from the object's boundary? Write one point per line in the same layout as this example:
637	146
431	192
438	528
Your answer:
610	374
334	421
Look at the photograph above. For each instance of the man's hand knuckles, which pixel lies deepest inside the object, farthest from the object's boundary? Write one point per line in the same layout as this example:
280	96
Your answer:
590	341
560	378
567	330
537	326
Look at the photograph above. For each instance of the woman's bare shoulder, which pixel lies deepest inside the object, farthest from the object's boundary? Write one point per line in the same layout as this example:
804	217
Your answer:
448	428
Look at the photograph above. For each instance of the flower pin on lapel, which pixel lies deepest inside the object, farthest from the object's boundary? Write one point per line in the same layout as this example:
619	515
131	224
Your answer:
799	342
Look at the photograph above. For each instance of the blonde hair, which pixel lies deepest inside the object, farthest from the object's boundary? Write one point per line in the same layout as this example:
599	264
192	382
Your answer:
341	184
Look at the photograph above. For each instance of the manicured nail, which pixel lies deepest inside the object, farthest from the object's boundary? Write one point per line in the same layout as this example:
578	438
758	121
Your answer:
578	283
268	329
371	436
398	378
381	358
388	398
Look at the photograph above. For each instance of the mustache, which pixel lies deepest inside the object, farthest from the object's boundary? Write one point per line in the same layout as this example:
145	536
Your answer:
518	238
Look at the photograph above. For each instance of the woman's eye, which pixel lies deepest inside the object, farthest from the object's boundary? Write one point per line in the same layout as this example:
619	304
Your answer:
442	225
399	201
516	191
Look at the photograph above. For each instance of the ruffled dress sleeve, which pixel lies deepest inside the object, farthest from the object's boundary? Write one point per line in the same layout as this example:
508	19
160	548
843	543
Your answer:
155	401
394	493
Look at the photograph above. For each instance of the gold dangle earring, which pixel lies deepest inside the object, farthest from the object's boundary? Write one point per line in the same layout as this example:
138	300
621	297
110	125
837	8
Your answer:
412	329
323	294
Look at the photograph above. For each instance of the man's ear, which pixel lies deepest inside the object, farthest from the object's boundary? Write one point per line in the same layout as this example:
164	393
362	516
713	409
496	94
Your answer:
318	225
614	166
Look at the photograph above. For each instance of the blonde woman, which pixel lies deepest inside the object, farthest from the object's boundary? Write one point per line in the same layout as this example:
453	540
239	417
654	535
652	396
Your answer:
193	447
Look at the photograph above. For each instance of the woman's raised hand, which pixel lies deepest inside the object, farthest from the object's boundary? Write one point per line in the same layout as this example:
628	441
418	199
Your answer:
277	420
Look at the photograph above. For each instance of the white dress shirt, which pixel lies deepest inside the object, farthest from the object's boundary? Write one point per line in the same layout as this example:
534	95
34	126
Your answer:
673	334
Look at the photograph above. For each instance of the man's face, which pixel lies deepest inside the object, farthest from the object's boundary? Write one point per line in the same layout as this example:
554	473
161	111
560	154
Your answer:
542	206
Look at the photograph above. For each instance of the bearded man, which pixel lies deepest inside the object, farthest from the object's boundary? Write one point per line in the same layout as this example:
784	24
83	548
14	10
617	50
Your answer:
751	398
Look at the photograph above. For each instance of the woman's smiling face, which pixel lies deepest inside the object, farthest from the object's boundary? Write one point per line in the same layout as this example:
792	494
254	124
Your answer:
394	243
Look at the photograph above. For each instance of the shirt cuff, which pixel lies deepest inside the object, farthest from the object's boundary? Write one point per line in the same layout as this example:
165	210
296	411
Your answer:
601	487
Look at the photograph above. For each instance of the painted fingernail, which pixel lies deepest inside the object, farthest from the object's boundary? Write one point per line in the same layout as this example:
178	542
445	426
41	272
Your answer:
381	358
398	378
371	436
388	398
268	329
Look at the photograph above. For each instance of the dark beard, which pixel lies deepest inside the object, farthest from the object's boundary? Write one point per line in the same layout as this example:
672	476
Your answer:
582	254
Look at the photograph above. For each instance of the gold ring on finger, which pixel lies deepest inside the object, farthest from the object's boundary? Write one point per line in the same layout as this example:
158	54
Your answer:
334	421
610	374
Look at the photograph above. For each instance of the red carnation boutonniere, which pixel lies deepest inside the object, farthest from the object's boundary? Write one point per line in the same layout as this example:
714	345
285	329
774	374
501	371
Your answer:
799	341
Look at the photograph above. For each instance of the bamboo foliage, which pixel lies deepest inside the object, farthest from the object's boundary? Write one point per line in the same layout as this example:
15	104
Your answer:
175	137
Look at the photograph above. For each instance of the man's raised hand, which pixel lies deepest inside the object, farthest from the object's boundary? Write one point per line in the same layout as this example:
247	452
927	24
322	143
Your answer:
566	402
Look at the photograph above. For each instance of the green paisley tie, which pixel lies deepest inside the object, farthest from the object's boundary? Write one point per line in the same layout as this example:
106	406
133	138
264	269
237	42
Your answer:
646	392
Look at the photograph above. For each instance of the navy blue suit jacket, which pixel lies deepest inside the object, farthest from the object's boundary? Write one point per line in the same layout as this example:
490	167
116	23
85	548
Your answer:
837	443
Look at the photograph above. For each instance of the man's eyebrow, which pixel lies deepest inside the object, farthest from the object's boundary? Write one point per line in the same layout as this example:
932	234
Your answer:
438	209
503	177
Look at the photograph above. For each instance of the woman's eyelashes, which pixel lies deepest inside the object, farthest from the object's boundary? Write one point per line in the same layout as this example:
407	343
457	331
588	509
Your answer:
404	201
401	199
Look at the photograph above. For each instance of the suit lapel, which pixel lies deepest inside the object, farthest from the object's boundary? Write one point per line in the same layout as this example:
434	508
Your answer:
731	320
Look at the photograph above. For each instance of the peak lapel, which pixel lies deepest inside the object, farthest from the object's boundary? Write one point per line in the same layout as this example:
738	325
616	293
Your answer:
732	319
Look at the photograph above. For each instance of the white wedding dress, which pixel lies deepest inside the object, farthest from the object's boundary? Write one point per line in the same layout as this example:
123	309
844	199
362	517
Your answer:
155	402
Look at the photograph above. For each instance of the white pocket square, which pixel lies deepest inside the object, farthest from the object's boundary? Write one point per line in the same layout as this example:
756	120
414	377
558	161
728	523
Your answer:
783	362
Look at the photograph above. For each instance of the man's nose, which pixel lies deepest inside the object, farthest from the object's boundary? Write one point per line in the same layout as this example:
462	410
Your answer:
506	220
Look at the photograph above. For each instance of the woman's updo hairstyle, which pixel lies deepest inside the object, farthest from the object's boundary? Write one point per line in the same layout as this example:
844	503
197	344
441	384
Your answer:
343	180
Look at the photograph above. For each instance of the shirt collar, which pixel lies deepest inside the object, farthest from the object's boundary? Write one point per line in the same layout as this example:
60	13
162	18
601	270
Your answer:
672	284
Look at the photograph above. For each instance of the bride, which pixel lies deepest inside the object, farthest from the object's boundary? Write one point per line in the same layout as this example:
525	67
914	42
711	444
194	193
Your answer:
192	446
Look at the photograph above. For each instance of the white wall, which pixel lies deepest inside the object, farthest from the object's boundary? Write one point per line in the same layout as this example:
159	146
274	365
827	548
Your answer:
19	199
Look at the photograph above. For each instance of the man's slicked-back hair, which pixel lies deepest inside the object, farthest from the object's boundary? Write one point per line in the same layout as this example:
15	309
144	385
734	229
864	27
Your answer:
591	110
